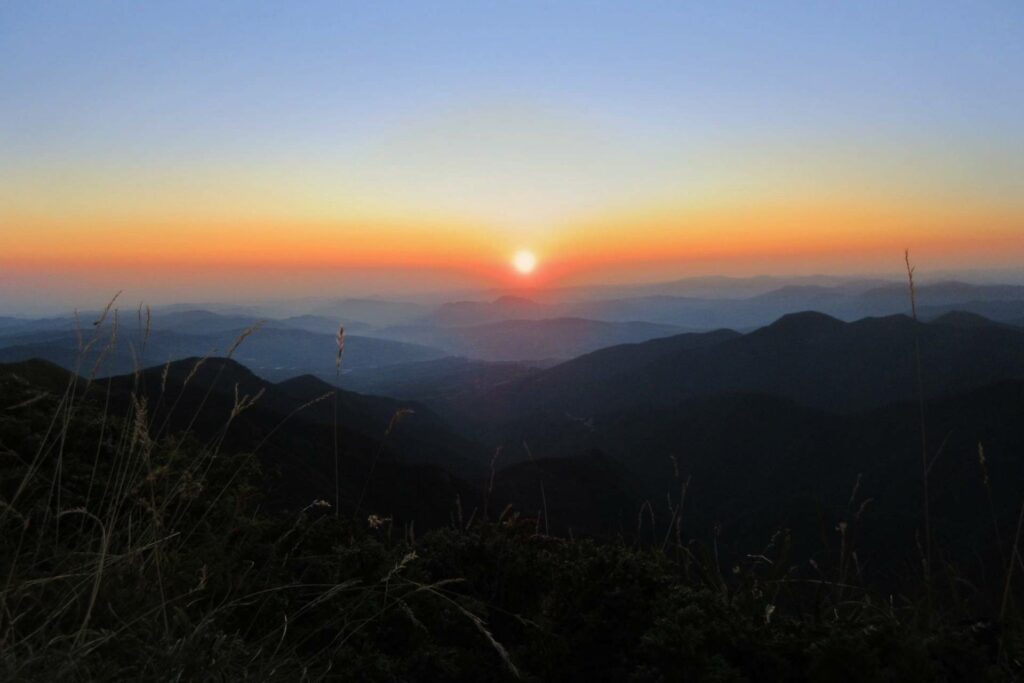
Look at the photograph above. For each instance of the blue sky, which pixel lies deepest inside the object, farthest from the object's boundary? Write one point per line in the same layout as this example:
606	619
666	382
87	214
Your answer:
230	73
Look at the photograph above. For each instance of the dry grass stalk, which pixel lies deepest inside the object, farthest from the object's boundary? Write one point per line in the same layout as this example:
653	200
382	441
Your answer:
340	340
110	345
106	310
78	331
540	480
147	327
490	481
195	368
983	464
163	376
245	402
1014	556
677	512
32	401
243	336
481	626
397	417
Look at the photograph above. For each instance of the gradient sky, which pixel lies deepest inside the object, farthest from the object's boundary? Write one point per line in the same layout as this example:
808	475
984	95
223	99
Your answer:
282	146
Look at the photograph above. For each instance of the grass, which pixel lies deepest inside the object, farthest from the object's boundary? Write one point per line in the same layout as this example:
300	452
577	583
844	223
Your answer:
129	552
112	535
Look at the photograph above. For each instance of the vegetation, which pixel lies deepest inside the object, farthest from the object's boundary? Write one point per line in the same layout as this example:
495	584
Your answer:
131	550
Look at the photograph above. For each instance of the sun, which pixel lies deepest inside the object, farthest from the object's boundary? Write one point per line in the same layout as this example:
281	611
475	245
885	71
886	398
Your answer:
524	261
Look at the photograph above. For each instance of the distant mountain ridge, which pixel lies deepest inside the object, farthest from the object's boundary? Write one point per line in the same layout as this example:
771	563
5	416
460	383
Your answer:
810	357
464	313
439	382
530	340
274	351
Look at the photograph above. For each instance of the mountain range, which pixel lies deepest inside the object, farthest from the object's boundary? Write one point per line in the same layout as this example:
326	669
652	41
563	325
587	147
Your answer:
811	358
785	427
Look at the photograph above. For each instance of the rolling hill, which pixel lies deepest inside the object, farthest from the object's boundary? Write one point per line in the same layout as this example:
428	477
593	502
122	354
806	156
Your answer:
408	474
811	358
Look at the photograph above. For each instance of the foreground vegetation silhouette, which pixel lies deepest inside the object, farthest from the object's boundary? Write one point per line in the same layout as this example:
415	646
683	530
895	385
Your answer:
141	537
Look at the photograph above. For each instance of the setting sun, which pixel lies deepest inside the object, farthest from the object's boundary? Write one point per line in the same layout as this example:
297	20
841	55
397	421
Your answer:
524	261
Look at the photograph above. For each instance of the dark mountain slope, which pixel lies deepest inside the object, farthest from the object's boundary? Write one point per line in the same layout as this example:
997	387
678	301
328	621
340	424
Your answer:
407	474
964	319
296	446
757	464
589	374
809	357
421	438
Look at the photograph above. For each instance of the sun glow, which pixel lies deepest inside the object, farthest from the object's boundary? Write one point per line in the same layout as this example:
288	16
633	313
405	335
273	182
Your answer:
524	262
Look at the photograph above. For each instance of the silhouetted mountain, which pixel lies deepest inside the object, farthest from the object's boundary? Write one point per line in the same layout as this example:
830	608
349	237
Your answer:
554	337
376	312
324	325
964	319
215	307
40	374
272	351
809	357
26	326
438	383
893	298
462	313
201	322
98	353
423	437
673	310
745	307
590	372
296	443
1000	311
754	464
198	321
720	287
530	340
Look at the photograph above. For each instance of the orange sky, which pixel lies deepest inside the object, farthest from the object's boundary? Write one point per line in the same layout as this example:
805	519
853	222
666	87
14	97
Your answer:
419	146
764	237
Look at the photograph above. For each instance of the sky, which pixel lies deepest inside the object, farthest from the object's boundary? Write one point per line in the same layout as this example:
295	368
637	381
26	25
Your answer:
288	148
